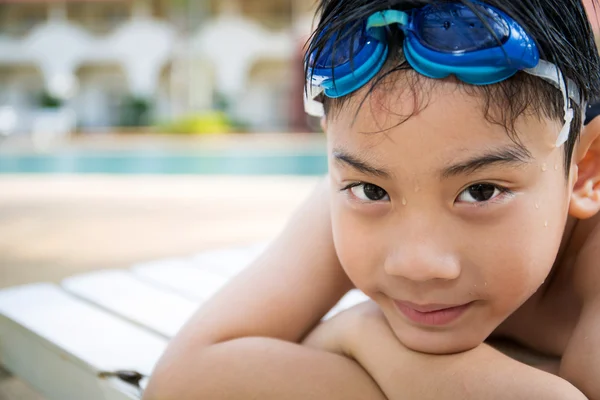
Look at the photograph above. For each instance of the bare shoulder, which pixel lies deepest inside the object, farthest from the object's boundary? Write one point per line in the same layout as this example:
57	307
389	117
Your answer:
580	363
587	262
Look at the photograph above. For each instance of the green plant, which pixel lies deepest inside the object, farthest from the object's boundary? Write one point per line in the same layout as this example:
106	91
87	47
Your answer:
136	111
46	100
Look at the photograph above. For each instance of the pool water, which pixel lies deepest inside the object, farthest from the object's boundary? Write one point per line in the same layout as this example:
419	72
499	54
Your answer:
162	162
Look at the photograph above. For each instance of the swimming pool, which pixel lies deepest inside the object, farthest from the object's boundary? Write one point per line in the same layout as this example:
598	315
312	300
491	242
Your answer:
166	162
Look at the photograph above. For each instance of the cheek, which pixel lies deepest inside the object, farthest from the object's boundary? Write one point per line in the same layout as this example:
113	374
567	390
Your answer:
544	218
526	247
357	244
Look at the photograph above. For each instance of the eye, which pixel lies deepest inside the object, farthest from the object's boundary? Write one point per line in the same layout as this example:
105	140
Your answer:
481	193
368	192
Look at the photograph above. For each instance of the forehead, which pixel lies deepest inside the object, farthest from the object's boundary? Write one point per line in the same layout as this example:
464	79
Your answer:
439	120
593	14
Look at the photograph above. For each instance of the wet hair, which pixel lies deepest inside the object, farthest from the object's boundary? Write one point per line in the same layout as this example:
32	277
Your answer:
560	29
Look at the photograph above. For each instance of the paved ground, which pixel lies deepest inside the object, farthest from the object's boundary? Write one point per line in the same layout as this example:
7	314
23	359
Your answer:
53	227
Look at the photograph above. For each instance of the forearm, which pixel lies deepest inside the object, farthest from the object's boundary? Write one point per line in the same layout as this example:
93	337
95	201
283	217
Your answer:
481	373
260	368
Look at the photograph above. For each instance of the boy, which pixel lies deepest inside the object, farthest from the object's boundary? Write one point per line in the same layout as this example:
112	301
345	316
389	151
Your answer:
462	199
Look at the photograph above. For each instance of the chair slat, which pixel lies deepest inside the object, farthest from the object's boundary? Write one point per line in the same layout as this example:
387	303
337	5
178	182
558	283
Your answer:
59	343
122	293
181	277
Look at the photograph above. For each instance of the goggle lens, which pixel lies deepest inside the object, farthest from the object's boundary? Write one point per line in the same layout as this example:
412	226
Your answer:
455	28
337	52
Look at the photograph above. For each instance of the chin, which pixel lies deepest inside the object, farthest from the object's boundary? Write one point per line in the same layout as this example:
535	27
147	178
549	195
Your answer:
436	341
441	347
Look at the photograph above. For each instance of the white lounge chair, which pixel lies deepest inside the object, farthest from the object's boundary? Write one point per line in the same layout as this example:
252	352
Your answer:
99	335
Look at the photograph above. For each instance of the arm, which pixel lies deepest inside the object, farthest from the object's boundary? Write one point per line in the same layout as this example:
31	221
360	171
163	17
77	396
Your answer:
281	296
482	373
263	368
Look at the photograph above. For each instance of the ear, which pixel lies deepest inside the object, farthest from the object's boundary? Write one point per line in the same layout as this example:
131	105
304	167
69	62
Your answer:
585	199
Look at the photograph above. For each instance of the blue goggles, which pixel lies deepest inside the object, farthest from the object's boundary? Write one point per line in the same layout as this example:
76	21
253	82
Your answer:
479	45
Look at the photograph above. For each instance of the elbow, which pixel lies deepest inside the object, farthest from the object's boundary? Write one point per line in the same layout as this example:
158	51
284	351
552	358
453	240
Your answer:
164	384
177	377
205	374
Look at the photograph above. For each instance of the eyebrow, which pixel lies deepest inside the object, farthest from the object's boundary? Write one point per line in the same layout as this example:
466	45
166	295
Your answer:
513	155
363	166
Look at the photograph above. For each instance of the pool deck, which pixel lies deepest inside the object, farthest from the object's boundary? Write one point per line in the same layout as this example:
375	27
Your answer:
54	226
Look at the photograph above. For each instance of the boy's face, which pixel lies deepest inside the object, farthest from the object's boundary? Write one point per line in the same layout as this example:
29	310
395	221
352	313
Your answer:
442	220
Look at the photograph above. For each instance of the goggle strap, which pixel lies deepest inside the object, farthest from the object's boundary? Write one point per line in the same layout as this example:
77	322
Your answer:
551	74
312	104
563	136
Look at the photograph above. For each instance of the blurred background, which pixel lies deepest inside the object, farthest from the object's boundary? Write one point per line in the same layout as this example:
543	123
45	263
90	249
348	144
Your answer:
134	130
180	66
135	123
86	85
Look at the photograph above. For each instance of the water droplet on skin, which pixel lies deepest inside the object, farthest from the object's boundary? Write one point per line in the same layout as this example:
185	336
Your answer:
556	167
417	189
544	167
485	284
404	202
537	206
546	224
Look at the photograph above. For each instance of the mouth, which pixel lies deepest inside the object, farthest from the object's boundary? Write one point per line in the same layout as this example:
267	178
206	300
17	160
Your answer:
431	314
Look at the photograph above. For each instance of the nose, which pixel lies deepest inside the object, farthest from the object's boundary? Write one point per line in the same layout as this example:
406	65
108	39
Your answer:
423	255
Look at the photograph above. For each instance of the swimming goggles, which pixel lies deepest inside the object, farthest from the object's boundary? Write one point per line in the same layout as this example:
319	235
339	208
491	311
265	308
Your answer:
479	45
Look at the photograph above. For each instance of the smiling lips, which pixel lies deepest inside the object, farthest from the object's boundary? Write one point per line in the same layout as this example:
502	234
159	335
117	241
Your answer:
431	314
